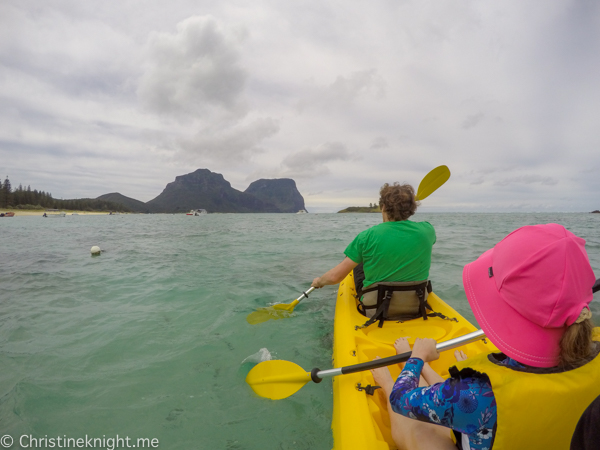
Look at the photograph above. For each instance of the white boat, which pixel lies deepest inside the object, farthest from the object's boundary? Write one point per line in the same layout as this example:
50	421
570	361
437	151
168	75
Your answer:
197	212
54	213
302	211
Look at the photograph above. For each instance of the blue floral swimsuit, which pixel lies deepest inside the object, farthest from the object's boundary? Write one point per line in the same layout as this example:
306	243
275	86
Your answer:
466	405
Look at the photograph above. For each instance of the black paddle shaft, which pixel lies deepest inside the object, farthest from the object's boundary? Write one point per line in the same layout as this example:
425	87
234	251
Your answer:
596	286
396	359
317	375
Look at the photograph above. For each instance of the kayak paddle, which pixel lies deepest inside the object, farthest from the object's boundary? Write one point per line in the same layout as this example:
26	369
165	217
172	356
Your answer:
278	311
432	181
429	184
277	379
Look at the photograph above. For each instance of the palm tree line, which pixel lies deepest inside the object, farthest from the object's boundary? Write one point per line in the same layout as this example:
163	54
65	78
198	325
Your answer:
27	198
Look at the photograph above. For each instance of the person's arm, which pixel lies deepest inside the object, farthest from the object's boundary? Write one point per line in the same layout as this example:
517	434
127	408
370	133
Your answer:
335	275
464	405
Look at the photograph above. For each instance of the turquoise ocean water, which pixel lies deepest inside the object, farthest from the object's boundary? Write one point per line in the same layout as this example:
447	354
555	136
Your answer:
149	339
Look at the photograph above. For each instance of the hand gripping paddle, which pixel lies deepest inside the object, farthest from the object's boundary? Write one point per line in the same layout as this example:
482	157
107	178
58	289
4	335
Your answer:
429	184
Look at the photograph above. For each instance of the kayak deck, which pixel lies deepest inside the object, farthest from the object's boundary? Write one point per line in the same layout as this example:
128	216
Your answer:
361	421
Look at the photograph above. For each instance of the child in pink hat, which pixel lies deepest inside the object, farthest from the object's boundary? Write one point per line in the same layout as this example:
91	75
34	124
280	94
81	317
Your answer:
530	295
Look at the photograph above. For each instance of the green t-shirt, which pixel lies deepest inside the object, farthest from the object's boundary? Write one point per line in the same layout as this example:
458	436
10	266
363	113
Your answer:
394	251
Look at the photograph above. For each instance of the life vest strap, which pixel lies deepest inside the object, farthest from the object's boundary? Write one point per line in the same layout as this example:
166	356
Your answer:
385	292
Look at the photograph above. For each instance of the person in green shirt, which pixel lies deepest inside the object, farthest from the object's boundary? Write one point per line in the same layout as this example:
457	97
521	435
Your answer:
395	250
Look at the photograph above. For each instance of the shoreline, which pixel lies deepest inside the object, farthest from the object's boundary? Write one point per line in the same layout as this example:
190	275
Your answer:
40	212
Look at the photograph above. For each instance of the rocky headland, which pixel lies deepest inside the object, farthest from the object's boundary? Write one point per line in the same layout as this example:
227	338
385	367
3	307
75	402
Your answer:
204	189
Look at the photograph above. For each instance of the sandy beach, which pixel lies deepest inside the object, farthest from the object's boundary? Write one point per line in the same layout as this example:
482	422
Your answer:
40	212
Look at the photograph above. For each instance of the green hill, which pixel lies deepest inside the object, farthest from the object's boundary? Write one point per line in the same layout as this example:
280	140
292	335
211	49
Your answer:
361	209
131	203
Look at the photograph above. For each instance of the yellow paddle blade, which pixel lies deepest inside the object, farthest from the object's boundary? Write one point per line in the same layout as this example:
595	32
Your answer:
432	181
263	314
286	306
278	311
277	379
275	312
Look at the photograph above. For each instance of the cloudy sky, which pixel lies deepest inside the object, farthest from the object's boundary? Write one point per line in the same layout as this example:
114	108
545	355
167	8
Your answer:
342	96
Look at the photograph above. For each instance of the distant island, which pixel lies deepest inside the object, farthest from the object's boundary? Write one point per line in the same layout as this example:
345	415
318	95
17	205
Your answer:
596	212
201	189
361	209
207	190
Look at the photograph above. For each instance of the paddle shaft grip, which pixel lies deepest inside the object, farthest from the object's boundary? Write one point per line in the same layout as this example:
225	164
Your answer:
442	346
305	294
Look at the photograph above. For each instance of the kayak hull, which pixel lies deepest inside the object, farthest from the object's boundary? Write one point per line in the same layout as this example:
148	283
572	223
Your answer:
360	420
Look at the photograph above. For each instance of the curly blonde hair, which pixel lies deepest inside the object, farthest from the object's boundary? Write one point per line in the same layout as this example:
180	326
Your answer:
398	200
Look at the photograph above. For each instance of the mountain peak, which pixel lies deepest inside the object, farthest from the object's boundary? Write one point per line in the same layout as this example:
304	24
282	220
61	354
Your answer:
203	189
282	192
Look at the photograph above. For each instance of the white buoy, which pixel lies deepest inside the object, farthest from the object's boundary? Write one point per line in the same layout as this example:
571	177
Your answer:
95	250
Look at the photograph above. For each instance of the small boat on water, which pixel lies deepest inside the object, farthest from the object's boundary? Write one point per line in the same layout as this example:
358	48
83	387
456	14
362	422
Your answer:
360	414
54	213
302	211
197	212
7	214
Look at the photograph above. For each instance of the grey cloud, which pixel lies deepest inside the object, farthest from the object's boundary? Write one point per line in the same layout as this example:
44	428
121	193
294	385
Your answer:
330	151
194	70
527	179
593	170
312	162
379	142
504	176
234	144
472	121
59	135
367	81
344	91
572	43
81	58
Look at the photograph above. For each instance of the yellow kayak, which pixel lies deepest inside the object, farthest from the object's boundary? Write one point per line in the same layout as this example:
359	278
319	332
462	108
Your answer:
360	420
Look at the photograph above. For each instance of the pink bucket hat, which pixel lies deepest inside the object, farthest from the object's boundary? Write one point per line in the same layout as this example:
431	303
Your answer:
528	288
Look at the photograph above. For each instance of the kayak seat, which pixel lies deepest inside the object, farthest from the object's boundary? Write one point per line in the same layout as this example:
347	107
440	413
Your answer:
394	301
